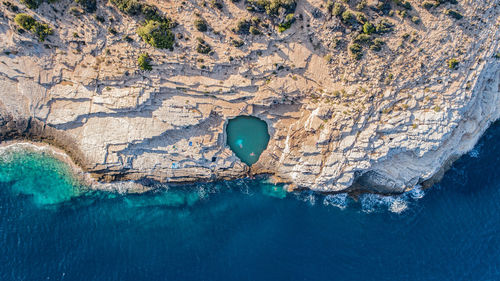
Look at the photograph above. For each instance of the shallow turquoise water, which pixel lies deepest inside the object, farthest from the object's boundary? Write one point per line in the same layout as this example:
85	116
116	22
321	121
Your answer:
247	136
53	229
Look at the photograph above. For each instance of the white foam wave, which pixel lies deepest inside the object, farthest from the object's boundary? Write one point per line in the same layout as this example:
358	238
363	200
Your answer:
337	200
374	203
120	187
416	193
306	196
398	206
6	150
474	153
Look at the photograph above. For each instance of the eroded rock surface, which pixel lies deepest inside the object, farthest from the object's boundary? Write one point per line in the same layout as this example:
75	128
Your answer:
385	122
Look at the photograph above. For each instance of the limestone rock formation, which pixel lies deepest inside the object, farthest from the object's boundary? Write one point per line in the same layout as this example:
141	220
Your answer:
384	121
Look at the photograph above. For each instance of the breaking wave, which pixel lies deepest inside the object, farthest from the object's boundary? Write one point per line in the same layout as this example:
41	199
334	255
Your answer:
39	158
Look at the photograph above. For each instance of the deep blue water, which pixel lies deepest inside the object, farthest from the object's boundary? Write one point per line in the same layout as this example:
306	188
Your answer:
52	229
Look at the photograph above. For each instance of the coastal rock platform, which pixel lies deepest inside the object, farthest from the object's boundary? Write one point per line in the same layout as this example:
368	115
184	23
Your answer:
385	122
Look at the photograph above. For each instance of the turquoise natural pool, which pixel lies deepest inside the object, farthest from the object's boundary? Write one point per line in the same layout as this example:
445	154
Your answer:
247	136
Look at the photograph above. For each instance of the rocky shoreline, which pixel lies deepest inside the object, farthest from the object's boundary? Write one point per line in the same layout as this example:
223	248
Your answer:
384	122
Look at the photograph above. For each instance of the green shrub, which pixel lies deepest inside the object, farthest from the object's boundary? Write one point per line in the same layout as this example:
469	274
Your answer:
453	63
289	19
377	44
237	43
11	6
453	13
439	2
360	17
150	12
112	30
368	28
100	19
256	21
338	9
157	34
127	39
144	62
347	16
24	21
356	51
429	4
363	39
404	4
402	13
41	30
272	7
329	5
203	47
130	7
27	22
361	5
137	8
75	11
243	27
32	4
383	26
200	24
89	5
217	4
255	31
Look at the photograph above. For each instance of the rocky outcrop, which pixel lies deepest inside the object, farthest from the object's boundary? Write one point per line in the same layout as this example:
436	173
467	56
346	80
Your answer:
384	123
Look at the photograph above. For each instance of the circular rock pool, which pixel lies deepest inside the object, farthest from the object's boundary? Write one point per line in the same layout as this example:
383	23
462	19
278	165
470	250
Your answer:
247	136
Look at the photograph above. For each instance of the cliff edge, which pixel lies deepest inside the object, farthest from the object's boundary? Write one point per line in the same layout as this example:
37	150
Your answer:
372	95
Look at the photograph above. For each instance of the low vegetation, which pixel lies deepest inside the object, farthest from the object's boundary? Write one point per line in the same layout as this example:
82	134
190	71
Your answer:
28	23
157	34
243	27
356	51
203	47
217	4
289	19
254	31
404	4
453	63
368	28
377	44
428	4
272	7
237	43
337	9
280	12
201	25
156	30
453	13
144	62
32	4
88	5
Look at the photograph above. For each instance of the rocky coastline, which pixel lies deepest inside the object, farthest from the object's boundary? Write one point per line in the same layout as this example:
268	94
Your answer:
385	122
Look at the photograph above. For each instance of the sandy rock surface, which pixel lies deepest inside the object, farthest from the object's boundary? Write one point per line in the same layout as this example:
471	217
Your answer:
385	123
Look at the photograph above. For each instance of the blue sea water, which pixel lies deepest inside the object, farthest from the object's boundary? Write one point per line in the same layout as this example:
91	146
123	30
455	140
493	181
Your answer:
53	229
